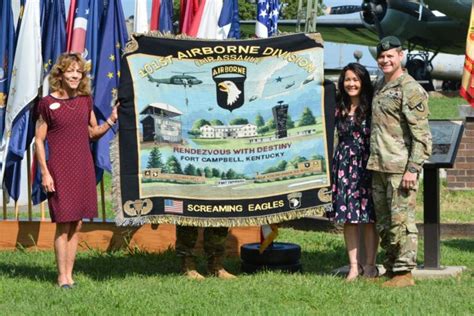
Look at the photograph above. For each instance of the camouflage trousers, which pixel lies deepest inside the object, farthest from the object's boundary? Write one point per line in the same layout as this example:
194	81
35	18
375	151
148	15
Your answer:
214	240
395	213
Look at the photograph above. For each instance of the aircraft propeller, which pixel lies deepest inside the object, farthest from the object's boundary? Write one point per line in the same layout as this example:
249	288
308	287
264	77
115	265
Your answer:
372	11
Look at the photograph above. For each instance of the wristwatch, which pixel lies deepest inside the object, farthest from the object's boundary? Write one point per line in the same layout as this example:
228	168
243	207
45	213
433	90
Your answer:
412	169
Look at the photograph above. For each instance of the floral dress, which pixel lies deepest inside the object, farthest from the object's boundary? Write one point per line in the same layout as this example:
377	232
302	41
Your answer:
351	189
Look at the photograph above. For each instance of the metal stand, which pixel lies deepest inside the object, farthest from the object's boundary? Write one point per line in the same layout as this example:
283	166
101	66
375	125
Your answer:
431	211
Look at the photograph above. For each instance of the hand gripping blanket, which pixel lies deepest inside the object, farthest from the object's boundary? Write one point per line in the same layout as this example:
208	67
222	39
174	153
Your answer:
221	133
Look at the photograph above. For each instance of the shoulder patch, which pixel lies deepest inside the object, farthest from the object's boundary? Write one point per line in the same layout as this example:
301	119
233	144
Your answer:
420	107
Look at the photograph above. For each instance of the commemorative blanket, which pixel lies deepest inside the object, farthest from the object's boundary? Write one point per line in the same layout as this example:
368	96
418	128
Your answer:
221	133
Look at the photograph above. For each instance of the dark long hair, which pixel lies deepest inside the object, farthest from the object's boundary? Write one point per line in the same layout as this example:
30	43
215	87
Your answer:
343	101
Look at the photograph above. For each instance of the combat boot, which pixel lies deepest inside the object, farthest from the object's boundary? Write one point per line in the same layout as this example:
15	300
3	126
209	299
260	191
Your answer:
216	268
400	280
189	269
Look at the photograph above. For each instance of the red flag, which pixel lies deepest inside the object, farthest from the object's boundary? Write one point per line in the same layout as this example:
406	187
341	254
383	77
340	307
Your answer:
155	15
79	29
188	12
467	86
70	23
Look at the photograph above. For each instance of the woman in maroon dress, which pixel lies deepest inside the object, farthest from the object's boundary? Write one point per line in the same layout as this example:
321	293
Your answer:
65	120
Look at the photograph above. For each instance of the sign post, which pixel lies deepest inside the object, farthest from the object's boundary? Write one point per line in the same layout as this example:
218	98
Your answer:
446	138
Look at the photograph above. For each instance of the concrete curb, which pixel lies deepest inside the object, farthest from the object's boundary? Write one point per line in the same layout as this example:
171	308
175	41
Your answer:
419	273
317	223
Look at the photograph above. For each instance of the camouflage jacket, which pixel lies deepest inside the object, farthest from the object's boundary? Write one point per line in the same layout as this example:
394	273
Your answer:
401	136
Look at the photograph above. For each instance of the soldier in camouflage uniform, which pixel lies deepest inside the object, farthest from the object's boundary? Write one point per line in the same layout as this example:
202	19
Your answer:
214	248
400	143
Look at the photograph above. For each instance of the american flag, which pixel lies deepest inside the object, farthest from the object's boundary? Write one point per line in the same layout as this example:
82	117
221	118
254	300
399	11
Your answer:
268	12
80	27
173	206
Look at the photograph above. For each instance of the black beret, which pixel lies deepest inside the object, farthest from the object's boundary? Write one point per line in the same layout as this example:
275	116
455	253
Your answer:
388	43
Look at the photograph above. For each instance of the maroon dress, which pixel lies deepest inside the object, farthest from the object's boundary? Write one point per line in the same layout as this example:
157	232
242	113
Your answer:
70	159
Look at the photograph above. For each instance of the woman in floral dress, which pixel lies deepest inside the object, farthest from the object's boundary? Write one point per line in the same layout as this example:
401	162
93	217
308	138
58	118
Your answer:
351	188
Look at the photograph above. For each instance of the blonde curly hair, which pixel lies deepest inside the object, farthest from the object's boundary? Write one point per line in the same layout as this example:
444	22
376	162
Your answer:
62	64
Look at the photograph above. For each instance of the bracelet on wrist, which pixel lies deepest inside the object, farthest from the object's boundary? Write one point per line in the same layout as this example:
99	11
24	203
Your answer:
110	122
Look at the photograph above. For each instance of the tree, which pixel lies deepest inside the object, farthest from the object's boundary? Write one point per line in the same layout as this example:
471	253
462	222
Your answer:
289	122
281	166
199	172
269	170
307	118
223	176
216	173
263	129
271	124
154	160
200	123
290	9
190	170
216	122
239	121
259	121
247	10
231	174
207	172
194	133
295	161
173	165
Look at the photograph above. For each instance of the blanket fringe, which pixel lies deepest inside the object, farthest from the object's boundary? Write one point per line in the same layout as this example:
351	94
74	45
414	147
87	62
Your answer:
223	222
116	189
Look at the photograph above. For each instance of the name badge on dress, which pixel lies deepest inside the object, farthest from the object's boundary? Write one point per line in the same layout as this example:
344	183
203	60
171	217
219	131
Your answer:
54	106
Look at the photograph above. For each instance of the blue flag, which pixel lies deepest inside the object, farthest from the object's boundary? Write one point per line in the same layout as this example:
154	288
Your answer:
53	33
268	12
53	29
25	81
7	52
229	18
91	53
107	78
166	16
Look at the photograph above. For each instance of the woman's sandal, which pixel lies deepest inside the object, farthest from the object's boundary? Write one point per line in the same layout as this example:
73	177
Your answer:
65	286
360	271
374	273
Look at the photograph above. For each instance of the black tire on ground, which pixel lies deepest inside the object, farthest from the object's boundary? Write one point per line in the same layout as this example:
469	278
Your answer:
253	268
279	253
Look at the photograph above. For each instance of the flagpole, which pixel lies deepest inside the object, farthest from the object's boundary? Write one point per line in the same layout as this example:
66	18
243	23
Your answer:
4	204
42	210
102	198
28	174
17	211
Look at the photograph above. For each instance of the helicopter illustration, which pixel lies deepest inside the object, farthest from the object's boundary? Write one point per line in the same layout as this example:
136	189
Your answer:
182	79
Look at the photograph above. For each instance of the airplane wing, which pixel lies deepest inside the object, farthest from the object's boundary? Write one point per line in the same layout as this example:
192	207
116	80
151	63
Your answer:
440	28
347	29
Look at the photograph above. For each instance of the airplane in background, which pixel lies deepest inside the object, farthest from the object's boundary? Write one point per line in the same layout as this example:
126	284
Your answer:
432	31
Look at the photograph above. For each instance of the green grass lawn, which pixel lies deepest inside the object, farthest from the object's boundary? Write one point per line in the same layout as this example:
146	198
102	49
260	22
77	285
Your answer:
122	283
445	108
